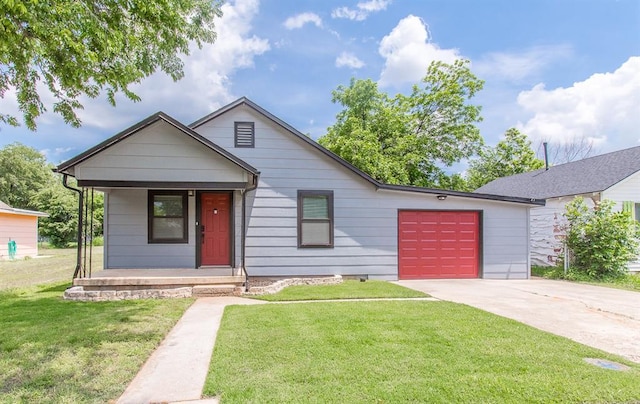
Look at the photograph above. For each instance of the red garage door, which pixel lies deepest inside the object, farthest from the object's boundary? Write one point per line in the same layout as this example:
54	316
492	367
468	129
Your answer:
443	244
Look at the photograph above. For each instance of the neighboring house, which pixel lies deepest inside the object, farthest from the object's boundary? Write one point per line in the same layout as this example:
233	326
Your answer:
614	176
240	188
21	226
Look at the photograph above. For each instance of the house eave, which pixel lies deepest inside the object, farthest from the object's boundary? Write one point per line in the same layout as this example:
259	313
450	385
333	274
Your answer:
65	167
195	185
23	212
472	195
290	129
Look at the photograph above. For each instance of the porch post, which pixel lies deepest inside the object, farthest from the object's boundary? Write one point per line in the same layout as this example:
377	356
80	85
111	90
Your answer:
78	269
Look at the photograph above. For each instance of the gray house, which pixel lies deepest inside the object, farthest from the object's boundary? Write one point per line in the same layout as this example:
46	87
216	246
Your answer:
614	176
242	189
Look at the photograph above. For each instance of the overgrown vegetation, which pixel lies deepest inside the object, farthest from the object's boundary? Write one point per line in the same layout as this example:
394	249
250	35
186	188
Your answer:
55	351
601	241
402	351
625	281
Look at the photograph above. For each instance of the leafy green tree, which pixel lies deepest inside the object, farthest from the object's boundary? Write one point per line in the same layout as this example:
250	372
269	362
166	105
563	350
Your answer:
78	48
23	172
512	155
62	206
600	240
409	139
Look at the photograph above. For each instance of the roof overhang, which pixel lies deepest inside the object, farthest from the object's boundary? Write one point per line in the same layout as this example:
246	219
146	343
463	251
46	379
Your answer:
23	212
377	184
68	166
460	194
199	185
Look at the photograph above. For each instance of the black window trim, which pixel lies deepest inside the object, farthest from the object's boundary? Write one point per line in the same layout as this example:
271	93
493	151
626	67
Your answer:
235	134
301	195
185	217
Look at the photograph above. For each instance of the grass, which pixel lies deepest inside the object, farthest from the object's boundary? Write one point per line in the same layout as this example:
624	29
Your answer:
349	289
55	351
402	351
625	281
53	265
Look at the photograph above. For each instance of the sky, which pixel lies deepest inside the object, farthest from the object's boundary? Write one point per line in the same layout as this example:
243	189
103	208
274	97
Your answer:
557	70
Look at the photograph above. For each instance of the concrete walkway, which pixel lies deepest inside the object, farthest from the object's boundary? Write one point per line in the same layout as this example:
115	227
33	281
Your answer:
608	319
604	318
177	370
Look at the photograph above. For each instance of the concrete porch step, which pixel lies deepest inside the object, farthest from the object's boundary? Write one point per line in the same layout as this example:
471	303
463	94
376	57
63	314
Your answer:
217	290
81	293
164	282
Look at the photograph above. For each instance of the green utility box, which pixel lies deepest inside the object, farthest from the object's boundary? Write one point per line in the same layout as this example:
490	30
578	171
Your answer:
13	249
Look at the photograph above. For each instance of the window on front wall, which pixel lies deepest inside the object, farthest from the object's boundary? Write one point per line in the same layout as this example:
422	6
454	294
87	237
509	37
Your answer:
167	212
637	212
315	218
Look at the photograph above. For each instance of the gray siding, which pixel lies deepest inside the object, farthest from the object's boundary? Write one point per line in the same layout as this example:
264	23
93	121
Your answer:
366	219
159	153
126	232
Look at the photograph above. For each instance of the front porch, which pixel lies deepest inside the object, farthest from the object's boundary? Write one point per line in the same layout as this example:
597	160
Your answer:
121	284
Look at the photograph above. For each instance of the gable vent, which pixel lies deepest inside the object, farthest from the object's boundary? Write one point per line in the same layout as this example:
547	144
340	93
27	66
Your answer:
244	134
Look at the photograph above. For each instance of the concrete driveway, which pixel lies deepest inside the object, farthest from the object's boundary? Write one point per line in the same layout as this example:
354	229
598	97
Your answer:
604	318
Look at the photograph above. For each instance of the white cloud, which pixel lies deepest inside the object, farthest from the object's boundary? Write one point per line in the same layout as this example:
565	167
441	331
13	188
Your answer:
207	80
518	66
605	109
298	21
362	10
347	59
53	155
408	52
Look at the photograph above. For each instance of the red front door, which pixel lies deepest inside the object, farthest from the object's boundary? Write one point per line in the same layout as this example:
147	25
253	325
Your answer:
215	228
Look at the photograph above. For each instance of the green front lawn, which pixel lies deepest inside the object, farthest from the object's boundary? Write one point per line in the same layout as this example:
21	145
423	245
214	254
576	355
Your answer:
349	289
53	265
401	351
55	351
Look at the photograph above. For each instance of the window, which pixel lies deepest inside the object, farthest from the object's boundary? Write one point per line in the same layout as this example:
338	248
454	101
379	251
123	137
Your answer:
315	218
637	212
167	211
244	134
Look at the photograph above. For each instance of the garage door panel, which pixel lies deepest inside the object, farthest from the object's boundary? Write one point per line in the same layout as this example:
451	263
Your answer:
438	244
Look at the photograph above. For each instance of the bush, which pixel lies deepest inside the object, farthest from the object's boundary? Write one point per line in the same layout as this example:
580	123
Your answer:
97	241
601	241
549	272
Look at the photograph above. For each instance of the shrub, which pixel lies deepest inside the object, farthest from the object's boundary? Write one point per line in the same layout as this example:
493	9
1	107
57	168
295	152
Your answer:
600	240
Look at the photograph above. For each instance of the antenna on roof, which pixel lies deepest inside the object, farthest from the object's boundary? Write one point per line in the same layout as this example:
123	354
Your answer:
546	157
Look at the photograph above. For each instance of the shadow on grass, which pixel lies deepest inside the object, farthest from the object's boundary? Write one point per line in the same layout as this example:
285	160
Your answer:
55	288
54	350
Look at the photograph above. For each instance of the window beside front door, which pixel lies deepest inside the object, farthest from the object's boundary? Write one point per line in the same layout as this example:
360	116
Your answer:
167	216
315	218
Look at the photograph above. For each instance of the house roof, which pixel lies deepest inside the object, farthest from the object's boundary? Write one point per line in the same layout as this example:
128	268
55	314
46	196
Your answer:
593	174
4	208
379	185
158	116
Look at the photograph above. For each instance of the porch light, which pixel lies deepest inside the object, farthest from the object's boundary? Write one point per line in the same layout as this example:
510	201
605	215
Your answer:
441	197
191	192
